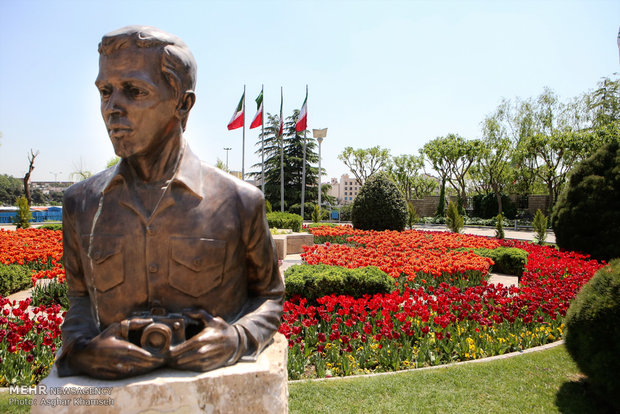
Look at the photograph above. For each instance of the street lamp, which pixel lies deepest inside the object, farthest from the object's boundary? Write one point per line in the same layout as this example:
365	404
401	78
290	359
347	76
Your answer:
227	149
319	134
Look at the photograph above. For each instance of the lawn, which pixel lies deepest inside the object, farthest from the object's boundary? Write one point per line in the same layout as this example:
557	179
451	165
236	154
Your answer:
540	382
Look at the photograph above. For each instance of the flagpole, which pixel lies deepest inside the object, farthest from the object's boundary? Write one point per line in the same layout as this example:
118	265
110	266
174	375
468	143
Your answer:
303	168
262	139
243	142
281	153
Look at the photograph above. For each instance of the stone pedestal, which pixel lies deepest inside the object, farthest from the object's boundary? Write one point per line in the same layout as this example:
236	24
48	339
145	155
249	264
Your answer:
246	387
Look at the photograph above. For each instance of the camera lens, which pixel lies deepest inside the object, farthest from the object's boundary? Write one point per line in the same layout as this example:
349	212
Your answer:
156	338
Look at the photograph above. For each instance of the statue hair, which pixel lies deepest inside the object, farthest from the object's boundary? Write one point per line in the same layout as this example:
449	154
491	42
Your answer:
177	62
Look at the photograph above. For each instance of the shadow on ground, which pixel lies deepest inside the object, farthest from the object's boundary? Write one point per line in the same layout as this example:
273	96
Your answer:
577	396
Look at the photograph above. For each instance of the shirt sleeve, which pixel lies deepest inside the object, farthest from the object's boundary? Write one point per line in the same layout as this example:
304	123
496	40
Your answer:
263	311
80	325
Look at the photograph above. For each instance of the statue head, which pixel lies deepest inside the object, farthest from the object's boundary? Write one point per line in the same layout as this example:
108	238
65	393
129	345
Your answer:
146	80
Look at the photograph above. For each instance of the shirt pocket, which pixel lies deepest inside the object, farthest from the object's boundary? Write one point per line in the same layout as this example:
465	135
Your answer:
106	253
196	265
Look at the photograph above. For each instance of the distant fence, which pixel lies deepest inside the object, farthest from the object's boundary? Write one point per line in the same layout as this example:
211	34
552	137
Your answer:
39	215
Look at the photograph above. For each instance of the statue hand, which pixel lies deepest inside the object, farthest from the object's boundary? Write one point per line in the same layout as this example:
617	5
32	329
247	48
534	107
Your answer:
211	348
109	356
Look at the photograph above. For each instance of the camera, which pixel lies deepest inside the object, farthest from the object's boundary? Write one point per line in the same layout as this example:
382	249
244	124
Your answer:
157	331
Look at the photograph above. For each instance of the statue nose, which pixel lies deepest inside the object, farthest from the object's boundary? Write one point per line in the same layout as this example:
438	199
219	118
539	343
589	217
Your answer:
114	104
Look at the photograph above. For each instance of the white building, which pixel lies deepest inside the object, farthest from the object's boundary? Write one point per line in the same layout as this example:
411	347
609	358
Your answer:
344	190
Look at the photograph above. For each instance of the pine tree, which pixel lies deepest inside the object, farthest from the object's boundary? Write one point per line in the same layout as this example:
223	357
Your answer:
293	163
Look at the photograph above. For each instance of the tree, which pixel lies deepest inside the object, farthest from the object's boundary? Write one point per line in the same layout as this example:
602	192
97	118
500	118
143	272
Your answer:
112	162
405	171
604	102
452	156
24	215
363	163
494	155
80	172
31	159
221	165
293	162
586	217
10	189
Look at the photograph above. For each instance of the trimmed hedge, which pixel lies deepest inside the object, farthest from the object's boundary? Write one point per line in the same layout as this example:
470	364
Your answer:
51	226
508	260
315	281
593	332
379	205
280	220
14	278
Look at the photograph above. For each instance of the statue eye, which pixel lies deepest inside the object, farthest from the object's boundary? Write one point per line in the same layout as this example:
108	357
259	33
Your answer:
104	92
134	91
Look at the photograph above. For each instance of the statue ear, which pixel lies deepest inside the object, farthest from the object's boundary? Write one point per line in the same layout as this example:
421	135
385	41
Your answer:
186	103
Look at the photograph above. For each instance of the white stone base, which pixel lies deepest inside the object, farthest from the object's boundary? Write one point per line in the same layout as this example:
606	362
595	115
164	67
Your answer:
246	387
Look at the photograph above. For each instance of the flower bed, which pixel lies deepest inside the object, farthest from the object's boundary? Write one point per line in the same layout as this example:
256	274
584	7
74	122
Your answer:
444	311
441	314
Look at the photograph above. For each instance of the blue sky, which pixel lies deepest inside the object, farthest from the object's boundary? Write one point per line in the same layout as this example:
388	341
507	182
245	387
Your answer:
388	73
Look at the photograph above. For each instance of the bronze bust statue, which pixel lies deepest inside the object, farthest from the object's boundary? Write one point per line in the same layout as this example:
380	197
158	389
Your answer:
169	262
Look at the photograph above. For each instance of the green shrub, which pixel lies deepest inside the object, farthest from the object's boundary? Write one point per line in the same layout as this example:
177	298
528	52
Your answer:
308	208
508	260
282	220
593	331
540	227
318	214
315	281
268	208
586	217
499	226
50	293
24	215
14	278
379	205
412	215
345	212
454	220
51	226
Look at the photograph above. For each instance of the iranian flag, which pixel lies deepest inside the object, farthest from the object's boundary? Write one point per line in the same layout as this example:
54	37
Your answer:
302	121
237	119
258	118
281	119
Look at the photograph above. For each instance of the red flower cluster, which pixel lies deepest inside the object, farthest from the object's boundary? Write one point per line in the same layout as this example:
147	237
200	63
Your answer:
41	250
425	325
30	337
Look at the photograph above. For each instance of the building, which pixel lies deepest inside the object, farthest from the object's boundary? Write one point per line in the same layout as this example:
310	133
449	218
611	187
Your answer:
344	190
48	187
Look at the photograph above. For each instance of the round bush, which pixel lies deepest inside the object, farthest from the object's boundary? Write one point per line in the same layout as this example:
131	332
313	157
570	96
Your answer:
586	217
593	331
379	206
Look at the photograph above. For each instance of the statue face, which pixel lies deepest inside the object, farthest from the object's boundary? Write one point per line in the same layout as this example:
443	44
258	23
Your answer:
138	105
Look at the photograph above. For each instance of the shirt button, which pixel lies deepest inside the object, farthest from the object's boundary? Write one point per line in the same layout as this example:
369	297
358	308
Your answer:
153	268
197	262
150	230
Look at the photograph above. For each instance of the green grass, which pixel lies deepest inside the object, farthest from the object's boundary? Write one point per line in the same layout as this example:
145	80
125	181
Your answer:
541	382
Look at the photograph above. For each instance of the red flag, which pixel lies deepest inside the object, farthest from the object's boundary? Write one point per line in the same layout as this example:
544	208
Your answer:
258	118
302	122
237	119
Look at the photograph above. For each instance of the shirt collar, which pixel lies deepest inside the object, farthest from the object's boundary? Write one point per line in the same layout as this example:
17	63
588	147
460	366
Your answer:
188	173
